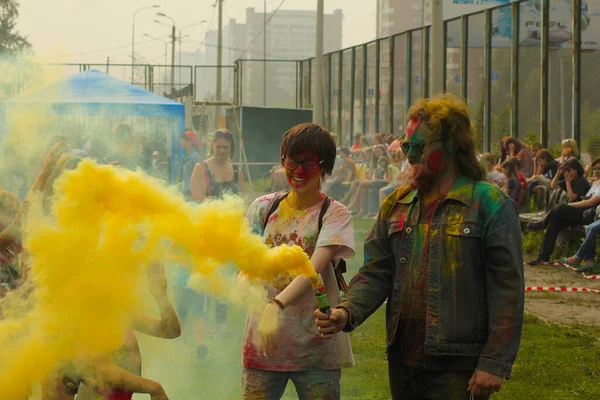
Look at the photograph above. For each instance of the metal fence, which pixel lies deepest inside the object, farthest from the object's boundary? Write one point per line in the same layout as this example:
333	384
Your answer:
525	69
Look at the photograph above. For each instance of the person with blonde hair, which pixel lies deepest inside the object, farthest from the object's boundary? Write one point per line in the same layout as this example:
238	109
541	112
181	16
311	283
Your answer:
446	255
569	150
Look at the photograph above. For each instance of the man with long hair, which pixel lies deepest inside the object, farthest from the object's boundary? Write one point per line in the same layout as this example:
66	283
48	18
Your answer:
446	254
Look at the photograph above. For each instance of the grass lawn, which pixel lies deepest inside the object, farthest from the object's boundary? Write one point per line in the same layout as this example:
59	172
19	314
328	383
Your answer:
555	362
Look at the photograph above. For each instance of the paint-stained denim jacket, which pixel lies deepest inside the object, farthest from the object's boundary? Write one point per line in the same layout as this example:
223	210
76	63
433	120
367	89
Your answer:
475	273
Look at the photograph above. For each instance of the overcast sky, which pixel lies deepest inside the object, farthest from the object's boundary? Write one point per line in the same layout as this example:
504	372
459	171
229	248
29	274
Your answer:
90	30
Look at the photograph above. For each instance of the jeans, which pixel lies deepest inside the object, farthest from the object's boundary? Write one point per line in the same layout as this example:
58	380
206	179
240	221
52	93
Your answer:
560	218
421	384
587	251
258	384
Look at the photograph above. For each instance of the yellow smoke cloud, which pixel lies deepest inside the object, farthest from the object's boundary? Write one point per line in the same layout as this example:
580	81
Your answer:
107	225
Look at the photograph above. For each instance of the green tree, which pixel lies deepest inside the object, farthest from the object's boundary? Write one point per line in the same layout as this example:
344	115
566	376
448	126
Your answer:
11	41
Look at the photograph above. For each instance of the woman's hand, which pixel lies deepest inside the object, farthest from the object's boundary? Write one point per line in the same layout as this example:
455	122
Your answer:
157	281
267	330
158	393
569	176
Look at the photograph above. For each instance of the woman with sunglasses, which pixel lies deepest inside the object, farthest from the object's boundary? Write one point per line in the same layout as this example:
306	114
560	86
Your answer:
295	351
565	216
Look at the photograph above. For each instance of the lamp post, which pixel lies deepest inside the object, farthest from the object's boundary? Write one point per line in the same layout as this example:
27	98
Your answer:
173	38
133	36
166	52
181	37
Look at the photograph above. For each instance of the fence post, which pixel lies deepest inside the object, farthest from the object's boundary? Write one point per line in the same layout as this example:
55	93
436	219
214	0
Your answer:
576	59
544	75
487	80
514	70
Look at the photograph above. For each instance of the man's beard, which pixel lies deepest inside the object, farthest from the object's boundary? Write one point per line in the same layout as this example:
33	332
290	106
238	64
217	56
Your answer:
423	179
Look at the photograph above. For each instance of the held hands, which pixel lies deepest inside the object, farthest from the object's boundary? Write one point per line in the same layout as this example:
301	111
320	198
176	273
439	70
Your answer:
329	325
484	384
267	330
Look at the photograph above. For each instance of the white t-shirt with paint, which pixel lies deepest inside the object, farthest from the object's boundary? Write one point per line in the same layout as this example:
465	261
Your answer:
594	190
299	345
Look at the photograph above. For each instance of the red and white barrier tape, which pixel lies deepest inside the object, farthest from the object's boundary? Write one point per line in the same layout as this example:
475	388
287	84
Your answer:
560	289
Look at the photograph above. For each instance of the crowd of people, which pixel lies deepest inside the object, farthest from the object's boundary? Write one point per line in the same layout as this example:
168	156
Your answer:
454	304
537	180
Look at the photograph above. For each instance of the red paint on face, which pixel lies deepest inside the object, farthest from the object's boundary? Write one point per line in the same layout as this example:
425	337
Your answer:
299	178
426	173
410	128
434	161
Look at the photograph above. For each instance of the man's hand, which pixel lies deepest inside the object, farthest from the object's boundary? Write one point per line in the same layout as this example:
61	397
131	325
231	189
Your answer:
484	384
329	325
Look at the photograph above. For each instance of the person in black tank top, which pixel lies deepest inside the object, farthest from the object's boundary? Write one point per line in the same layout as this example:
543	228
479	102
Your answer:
217	175
213	178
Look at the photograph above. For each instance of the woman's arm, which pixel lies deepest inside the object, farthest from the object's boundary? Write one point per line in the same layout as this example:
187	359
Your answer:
198	183
241	182
12	232
554	184
320	259
168	326
569	184
591	202
107	374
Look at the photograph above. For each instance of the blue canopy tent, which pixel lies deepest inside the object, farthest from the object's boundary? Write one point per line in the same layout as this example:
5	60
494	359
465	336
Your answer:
95	93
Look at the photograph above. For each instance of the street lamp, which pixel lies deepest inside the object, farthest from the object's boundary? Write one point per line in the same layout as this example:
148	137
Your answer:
133	36
180	39
160	40
166	52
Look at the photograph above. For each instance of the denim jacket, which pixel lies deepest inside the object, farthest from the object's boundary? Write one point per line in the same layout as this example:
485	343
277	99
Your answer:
475	273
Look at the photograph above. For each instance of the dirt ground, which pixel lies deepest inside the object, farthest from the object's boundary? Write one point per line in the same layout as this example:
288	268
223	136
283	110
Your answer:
564	308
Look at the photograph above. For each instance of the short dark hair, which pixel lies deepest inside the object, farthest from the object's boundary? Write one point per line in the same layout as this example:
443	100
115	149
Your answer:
595	161
544	154
573	163
311	138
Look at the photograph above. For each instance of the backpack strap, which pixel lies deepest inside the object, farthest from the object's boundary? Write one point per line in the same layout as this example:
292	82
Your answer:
324	208
272	209
339	268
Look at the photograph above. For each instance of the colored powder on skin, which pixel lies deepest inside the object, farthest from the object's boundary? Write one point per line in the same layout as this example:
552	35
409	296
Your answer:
108	225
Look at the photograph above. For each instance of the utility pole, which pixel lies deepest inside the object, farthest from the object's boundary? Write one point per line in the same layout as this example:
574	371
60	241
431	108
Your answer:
265	57
220	51
318	115
437	48
173	40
